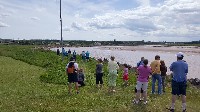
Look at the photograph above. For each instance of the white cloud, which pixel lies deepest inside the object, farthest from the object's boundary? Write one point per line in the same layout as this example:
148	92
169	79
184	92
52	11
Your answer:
144	2
3	24
66	28
35	18
4	14
101	19
1	6
77	26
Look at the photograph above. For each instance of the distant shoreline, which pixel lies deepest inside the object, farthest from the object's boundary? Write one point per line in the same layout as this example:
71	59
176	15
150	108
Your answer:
186	49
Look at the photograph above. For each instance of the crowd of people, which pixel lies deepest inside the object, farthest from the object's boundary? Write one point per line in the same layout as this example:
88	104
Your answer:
156	70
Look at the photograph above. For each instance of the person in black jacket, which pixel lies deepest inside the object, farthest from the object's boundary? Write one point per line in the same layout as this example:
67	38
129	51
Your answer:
163	70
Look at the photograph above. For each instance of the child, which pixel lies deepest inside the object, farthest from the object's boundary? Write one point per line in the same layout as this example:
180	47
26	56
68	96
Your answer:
99	73
81	78
142	81
125	75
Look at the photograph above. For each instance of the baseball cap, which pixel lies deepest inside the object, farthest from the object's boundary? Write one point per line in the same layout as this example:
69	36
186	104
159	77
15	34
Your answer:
180	54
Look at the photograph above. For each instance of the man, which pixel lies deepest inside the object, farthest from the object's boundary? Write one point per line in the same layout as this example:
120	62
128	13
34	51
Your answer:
87	54
74	55
83	55
156	74
179	80
140	62
71	71
58	51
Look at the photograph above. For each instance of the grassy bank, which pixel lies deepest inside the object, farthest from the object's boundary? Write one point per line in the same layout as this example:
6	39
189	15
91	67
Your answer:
23	86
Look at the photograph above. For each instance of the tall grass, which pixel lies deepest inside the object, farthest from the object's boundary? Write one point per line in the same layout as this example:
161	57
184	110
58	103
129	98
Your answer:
45	88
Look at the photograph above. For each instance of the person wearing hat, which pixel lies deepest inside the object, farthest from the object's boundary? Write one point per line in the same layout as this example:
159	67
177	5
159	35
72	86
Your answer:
179	80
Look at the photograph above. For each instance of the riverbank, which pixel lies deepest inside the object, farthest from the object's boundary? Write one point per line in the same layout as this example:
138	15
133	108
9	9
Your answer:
27	92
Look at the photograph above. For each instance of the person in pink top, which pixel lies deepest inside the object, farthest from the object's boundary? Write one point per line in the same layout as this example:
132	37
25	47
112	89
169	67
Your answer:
125	75
144	72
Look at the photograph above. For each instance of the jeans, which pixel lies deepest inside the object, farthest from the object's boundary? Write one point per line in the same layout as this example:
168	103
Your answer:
163	83
154	78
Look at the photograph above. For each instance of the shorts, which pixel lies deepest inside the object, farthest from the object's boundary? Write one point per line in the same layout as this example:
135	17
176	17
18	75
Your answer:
87	57
125	77
72	78
179	88
142	85
81	83
141	91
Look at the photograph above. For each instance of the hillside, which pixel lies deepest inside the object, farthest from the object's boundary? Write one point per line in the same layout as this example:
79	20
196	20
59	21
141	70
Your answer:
34	80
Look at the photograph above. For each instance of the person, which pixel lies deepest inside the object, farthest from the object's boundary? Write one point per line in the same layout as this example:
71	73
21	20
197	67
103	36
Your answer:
83	55
69	52
140	62
144	72
156	74
112	75
63	50
99	73
125	75
71	70
87	56
163	70
58	51
74	55
81	78
179	70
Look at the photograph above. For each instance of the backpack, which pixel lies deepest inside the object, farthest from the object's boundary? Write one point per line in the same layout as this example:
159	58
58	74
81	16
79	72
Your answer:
138	64
71	68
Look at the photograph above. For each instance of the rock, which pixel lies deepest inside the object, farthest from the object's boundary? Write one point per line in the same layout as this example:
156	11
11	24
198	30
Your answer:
195	82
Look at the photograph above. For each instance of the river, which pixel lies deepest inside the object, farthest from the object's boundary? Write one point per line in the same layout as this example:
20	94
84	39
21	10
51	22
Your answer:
131	55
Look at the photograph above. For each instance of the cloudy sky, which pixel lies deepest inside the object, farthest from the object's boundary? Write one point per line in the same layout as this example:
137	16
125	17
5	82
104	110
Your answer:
129	20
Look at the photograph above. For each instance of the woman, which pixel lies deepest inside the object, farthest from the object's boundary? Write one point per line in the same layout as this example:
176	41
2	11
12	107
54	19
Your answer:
144	72
112	76
163	70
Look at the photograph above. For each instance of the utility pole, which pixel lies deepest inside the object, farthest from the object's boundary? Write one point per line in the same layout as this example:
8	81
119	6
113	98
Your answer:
61	31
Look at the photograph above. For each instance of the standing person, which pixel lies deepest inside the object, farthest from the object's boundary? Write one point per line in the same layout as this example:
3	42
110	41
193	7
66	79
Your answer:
58	51
99	73
142	81
71	70
81	78
156	74
179	80
140	62
87	56
74	55
63	51
69	52
112	76
163	70
83	55
125	75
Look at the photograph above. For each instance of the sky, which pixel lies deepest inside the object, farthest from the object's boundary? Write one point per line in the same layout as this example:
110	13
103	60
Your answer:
101	20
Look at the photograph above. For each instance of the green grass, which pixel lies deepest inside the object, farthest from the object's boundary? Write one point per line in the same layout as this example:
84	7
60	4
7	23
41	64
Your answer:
26	87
